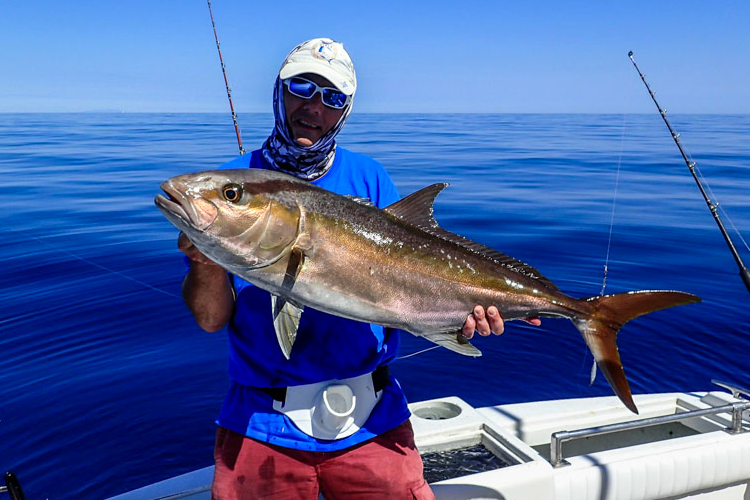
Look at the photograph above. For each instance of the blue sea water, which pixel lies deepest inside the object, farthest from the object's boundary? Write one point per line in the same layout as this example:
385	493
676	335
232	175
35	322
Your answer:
106	384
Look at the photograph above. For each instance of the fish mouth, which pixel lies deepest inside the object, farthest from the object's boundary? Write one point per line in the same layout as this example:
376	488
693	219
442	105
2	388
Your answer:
177	206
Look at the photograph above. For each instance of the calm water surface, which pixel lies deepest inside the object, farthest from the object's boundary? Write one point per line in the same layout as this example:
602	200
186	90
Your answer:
107	385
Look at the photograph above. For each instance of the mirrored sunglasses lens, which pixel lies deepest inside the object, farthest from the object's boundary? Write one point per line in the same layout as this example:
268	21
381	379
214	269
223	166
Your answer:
334	98
301	88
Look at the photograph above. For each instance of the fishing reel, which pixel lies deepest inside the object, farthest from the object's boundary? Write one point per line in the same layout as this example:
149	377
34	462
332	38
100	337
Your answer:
12	487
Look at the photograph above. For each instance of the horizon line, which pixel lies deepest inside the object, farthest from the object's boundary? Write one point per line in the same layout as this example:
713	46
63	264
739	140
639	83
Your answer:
118	112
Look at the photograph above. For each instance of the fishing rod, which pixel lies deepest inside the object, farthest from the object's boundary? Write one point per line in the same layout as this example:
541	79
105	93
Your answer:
226	82
744	273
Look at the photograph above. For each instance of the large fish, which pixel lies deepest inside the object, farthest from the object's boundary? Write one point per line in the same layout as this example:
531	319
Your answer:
394	267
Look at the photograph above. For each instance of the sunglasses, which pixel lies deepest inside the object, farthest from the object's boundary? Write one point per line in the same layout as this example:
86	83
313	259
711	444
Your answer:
301	87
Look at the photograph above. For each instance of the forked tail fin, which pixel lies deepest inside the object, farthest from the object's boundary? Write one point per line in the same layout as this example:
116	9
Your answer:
609	313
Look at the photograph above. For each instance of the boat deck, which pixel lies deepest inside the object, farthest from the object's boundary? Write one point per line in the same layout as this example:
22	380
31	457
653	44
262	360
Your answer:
633	457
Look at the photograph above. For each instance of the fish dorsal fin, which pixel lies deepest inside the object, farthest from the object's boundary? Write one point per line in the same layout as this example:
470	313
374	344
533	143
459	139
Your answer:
417	210
504	260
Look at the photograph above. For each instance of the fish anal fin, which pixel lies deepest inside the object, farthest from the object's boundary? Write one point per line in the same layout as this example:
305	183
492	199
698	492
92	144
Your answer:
453	341
286	318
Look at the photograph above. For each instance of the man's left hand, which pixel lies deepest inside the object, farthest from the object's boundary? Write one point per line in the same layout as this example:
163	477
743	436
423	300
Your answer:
488	322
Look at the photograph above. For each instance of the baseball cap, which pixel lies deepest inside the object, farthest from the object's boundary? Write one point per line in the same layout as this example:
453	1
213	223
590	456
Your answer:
324	57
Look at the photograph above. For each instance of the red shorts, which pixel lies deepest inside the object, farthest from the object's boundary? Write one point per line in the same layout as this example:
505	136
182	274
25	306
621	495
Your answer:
385	467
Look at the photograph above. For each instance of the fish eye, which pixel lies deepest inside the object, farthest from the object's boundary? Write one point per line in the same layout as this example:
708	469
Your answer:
232	193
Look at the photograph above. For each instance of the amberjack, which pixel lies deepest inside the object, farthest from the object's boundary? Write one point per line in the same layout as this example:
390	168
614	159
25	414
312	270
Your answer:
395	267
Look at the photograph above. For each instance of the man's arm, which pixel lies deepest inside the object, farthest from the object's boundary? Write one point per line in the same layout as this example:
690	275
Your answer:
206	289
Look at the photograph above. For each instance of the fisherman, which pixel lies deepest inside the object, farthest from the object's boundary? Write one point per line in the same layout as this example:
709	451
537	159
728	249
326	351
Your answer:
329	419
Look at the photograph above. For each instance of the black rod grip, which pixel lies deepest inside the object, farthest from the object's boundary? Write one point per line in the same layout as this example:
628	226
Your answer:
14	487
745	277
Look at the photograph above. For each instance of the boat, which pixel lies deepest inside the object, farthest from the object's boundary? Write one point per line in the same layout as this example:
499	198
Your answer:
682	445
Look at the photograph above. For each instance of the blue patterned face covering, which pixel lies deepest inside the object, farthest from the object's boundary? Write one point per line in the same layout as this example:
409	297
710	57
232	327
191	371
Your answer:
285	155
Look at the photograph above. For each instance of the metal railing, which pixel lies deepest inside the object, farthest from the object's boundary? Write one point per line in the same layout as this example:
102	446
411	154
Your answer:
558	438
736	390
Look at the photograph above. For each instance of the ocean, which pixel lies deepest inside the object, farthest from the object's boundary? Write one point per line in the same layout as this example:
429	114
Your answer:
106	383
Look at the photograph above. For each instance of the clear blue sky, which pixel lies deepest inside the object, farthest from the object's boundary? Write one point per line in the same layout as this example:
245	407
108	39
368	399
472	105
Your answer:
411	56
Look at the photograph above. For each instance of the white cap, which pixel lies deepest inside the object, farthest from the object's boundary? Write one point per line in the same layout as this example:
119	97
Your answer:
324	57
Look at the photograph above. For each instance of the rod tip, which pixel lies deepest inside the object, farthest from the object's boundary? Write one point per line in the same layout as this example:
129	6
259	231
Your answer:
630	54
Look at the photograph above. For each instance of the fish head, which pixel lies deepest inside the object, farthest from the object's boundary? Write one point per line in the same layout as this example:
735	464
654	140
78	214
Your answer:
229	219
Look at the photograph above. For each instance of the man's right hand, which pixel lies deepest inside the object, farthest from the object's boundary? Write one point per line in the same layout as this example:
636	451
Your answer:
489	321
206	288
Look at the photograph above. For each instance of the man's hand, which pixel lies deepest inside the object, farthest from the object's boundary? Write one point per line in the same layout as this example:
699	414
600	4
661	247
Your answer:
186	246
206	288
488	322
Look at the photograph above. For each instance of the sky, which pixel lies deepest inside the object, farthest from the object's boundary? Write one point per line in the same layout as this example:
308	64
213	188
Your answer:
562	56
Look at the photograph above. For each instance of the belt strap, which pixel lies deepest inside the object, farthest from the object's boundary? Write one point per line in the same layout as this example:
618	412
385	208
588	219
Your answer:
380	379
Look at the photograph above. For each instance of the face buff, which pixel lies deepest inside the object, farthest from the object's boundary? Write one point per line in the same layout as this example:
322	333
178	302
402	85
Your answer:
285	155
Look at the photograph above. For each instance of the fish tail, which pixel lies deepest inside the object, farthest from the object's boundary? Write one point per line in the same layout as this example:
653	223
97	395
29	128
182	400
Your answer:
609	313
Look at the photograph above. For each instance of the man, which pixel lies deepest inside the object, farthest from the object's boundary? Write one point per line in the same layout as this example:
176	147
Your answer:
329	419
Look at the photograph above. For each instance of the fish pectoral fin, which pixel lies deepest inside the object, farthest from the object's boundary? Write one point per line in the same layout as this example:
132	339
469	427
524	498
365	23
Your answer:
286	315
303	243
455	341
286	318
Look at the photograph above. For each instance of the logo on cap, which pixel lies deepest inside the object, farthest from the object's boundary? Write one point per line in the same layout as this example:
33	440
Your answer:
326	51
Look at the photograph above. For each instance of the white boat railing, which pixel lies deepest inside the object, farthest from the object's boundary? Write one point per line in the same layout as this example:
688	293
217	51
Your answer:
558	438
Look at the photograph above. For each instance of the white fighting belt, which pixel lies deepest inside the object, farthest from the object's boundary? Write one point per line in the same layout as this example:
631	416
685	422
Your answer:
333	409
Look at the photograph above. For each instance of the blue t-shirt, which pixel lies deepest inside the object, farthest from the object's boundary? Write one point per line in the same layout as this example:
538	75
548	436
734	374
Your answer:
327	347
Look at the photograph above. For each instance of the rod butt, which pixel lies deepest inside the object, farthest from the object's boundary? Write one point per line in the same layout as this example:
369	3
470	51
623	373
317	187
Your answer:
745	277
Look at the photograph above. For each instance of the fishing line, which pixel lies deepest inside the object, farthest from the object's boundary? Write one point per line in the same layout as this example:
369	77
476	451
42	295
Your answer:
614	202
713	196
737	231
418	352
592	374
104	268
242	152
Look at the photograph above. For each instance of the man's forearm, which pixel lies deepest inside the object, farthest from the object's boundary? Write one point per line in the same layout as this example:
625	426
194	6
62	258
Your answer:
208	294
